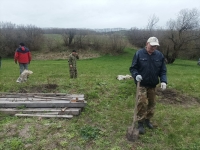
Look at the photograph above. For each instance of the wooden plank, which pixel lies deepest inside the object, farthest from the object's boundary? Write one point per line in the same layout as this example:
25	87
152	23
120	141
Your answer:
44	116
57	98
67	96
41	94
38	99
24	99
47	113
41	104
68	111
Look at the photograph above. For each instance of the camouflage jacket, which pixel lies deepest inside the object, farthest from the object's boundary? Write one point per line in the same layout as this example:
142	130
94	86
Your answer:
72	60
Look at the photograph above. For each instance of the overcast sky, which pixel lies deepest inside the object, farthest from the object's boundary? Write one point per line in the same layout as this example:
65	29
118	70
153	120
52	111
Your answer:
92	14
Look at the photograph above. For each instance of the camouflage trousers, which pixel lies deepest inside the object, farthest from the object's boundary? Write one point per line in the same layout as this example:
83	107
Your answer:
73	72
146	103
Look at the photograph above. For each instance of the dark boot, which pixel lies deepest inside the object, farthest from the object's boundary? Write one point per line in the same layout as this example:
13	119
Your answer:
141	128
148	124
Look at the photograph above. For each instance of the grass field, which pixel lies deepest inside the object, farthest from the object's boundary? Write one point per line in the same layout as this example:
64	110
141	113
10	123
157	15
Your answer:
109	111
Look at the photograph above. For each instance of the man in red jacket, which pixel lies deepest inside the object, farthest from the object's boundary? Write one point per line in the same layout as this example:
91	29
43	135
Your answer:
23	57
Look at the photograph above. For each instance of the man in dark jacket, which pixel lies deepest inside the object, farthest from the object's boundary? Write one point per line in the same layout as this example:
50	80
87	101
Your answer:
23	57
148	67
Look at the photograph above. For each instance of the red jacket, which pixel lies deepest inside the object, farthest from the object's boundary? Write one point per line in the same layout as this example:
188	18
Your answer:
22	55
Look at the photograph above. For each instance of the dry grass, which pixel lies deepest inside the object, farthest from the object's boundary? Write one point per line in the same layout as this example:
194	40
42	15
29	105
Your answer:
86	54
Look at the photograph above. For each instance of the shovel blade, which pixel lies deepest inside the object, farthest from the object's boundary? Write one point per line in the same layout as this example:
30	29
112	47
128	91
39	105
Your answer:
132	134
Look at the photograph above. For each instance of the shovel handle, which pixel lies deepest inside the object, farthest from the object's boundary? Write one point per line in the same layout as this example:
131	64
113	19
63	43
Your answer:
136	103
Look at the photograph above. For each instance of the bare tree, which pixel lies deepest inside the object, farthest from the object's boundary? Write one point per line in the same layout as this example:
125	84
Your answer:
181	33
153	20
33	36
11	35
8	38
68	36
65	37
138	37
79	39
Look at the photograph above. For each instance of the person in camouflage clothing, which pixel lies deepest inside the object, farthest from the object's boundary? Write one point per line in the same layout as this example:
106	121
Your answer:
148	67
72	64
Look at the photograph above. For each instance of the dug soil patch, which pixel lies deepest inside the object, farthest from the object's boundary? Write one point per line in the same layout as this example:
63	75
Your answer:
171	96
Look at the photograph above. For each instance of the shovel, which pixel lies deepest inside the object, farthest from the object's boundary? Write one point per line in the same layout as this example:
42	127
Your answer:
132	131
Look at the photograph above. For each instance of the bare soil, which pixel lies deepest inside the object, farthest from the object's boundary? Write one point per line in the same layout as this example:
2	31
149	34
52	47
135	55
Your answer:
171	96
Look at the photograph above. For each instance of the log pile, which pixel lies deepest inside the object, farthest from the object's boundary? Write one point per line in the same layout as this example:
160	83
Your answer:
48	105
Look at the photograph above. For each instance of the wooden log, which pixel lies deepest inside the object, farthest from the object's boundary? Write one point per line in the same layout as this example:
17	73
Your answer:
41	104
68	111
44	116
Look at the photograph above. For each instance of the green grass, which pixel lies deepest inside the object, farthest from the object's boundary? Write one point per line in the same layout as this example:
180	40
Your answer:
103	123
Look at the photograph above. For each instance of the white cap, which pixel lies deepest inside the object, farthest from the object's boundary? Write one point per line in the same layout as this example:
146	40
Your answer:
153	41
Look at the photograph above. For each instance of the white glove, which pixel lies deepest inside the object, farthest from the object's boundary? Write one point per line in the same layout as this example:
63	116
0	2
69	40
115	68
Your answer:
163	85
139	78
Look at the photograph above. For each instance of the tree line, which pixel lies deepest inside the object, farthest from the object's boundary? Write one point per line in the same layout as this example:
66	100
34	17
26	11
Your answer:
179	39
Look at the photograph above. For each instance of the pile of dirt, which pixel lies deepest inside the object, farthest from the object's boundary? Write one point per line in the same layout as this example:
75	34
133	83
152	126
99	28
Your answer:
171	96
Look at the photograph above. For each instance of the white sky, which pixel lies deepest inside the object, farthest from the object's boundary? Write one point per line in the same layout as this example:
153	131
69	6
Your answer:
92	14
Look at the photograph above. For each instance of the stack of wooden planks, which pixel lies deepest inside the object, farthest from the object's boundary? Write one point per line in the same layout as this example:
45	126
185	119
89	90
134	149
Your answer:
48	105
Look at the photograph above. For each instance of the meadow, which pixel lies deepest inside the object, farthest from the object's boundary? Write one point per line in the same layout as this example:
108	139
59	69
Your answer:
109	111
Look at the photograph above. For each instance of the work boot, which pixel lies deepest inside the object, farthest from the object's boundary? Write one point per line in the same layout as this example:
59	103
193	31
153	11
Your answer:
148	124
141	128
